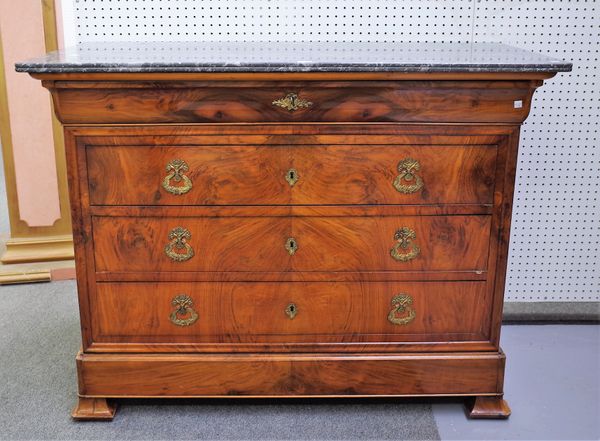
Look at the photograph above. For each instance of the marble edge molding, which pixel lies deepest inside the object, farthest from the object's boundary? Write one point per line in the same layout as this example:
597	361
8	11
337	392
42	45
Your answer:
286	67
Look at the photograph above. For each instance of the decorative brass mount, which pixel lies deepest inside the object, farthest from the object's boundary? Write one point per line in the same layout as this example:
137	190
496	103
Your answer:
291	310
175	170
401	305
291	176
291	245
292	102
408	181
179	237
184	304
404	237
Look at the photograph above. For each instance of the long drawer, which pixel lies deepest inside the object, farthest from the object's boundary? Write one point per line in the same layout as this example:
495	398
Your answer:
302	243
251	102
289	312
282	175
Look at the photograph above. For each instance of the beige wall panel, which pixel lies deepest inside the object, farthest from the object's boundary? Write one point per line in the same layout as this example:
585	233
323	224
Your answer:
21	24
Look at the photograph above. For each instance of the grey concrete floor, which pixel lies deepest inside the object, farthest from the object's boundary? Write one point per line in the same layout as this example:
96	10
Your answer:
552	385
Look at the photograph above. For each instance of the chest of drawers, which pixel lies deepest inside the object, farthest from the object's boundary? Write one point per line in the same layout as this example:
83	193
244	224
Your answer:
338	231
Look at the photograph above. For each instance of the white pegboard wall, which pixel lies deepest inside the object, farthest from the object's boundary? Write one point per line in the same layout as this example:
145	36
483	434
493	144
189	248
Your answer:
555	241
268	20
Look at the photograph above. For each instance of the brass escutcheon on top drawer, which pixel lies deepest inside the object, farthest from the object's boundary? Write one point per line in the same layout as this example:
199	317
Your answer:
292	102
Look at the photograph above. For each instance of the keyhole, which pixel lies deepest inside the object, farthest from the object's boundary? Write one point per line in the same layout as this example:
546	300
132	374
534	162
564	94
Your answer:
291	310
291	246
292	177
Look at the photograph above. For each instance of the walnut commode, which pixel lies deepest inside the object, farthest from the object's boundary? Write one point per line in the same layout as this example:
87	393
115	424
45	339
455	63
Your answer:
279	234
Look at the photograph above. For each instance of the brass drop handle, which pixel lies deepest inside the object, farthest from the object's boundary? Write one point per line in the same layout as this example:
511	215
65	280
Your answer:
402	312
291	246
408	181
292	176
178	249
291	310
184	314
175	172
404	241
292	102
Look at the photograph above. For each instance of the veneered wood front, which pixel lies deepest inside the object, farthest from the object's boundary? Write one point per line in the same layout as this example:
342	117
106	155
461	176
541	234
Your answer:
81	102
343	212
246	312
127	244
287	375
330	174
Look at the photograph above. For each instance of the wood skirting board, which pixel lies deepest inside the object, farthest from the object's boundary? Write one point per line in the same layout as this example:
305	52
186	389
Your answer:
38	249
35	271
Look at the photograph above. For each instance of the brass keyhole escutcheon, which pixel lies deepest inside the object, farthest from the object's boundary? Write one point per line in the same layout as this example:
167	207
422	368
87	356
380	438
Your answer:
402	312
175	172
291	245
178	249
292	176
184	314
408	181
291	310
292	102
405	250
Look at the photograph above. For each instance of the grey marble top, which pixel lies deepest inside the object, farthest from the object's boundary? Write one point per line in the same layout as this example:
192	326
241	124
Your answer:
291	57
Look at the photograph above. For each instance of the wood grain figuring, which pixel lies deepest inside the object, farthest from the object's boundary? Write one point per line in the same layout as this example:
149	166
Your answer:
255	312
305	133
324	243
343	347
402	101
241	175
343	211
287	375
292	276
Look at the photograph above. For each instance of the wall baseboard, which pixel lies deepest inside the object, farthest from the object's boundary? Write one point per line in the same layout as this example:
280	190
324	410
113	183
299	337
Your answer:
10	277
552	311
38	249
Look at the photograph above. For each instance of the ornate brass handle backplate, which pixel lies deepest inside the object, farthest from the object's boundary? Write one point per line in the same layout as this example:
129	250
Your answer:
408	181
292	102
184	304
402	312
175	172
178	249
404	237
